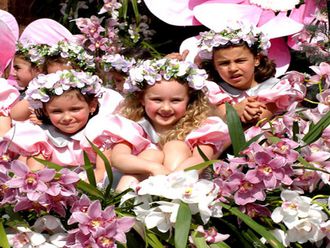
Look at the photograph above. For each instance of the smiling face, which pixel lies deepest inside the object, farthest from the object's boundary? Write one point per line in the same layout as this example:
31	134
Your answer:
236	66
69	112
165	103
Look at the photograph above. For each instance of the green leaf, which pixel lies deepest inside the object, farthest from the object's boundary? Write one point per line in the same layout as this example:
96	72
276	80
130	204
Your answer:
201	166
295	130
202	154
249	142
152	240
220	245
182	226
3	237
253	239
123	9
308	166
49	164
90	190
136	11
316	131
271	239
199	241
107	167
89	170
235	129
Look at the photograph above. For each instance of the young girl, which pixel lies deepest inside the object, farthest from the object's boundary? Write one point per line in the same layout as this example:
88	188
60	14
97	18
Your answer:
28	63
65	101
245	74
167	118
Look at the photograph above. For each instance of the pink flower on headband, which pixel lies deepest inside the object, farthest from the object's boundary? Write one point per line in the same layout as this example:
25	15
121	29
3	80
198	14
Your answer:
148	72
41	88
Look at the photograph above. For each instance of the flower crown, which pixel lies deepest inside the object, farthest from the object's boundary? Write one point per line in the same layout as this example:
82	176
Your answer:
148	72
76	54
41	88
35	53
232	34
117	62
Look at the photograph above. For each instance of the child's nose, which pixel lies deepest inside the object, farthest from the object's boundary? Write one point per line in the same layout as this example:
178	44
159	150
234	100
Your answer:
67	117
232	67
166	106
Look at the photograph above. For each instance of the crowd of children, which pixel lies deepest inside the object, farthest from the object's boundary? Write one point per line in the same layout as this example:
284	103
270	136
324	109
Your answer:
158	116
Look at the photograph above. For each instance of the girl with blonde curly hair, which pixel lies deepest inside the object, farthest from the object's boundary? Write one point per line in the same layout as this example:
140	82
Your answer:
163	119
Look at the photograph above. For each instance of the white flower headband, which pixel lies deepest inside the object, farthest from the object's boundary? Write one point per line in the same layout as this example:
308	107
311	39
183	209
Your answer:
41	88
74	53
35	53
148	72
117	62
232	34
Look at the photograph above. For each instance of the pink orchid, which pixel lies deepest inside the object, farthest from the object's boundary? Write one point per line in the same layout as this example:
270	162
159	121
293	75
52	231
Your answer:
270	170
211	235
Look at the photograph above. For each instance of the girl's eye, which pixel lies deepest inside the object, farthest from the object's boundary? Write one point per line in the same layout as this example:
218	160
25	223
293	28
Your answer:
176	100
75	109
156	100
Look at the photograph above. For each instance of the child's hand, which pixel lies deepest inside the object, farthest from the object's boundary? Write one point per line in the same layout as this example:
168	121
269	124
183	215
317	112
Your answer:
159	169
34	119
252	110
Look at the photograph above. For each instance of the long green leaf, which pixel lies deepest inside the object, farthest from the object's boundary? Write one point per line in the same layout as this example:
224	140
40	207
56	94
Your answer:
3	237
152	240
90	190
316	131
250	235
136	11
107	167
219	245
199	241
49	164
89	170
201	166
235	129
123	9
271	239
202	154
182	226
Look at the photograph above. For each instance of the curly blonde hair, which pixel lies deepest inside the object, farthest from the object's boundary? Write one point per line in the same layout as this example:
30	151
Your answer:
198	109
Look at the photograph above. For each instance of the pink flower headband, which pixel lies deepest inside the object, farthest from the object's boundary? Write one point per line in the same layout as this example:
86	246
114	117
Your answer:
42	87
148	72
234	33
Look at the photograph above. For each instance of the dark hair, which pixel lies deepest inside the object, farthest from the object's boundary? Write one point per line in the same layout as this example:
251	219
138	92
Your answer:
41	115
265	70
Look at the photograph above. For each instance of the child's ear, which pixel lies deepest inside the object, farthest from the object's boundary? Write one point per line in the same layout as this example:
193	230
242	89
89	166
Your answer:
93	105
257	60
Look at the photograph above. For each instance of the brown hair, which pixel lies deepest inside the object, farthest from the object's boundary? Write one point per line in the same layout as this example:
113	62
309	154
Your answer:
265	70
198	110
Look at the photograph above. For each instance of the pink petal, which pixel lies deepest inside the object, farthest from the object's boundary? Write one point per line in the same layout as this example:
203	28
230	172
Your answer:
216	15
45	31
11	22
279	52
274	28
174	12
7	46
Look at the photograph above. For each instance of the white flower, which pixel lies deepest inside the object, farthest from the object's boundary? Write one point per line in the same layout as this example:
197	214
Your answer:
280	235
307	229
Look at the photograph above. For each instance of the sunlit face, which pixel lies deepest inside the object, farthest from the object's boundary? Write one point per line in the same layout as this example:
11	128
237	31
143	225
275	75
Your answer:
68	112
165	103
54	67
24	72
235	66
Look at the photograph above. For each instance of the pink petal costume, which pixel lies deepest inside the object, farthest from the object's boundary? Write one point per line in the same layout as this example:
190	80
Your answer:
29	140
141	135
215	14
282	92
9	95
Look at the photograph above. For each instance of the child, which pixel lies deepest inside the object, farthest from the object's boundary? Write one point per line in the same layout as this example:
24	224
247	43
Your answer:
245	74
8	94
66	55
28	63
65	101
167	117
117	67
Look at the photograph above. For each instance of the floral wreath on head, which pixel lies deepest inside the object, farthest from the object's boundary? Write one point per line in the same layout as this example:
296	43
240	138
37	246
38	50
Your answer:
148	72
35	53
75	54
234	33
41	88
117	62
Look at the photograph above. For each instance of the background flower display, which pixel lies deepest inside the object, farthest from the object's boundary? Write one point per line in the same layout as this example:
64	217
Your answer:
269	189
